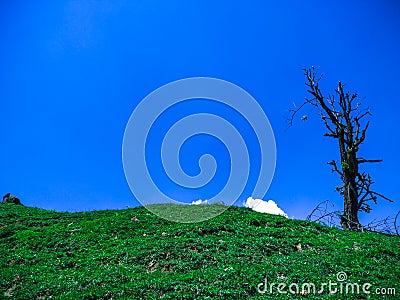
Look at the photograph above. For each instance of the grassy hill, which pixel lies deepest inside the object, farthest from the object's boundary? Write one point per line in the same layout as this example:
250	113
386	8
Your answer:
133	254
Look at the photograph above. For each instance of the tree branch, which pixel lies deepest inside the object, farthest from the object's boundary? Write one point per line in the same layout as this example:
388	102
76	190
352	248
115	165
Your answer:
363	160
335	168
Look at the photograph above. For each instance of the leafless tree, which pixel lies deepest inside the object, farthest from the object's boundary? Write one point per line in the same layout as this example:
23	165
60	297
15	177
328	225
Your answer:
347	122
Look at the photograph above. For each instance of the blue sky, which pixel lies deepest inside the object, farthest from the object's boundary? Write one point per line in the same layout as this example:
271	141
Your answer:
72	72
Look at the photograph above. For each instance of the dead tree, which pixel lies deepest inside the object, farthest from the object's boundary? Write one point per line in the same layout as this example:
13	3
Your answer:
345	121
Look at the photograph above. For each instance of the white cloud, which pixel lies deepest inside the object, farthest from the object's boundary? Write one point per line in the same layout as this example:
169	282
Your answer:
198	202
269	207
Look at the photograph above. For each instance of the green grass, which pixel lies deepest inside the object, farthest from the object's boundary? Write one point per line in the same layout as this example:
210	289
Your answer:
133	254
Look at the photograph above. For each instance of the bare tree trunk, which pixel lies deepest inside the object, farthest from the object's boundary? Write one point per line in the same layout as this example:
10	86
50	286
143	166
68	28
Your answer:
349	163
349	218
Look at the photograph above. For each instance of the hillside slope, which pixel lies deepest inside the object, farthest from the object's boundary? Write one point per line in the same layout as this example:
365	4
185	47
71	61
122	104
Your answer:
133	254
